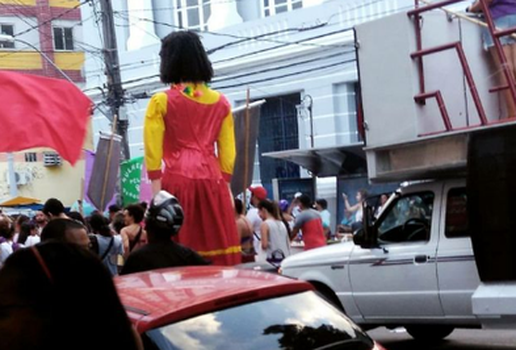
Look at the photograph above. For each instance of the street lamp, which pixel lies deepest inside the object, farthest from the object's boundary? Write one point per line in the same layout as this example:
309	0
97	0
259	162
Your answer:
308	105
13	190
12	39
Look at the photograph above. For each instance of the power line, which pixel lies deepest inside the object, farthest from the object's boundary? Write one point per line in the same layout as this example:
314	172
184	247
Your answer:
311	38
234	36
276	68
139	64
377	14
224	78
177	7
287	75
243	83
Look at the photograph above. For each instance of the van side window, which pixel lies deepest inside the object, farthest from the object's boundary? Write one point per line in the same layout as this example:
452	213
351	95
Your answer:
408	219
457	223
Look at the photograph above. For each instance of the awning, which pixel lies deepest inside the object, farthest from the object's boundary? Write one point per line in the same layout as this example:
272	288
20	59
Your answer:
330	161
19	201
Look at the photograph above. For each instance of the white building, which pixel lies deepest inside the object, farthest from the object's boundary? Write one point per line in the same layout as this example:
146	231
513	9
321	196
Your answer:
290	52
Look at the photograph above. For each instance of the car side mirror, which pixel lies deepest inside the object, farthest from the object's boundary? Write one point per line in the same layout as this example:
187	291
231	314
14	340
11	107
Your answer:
358	237
369	237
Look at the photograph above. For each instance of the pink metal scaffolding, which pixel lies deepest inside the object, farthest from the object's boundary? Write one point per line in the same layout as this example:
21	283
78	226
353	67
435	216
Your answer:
420	53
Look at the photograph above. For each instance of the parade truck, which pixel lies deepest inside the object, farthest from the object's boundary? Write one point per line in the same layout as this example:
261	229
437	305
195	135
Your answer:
441	253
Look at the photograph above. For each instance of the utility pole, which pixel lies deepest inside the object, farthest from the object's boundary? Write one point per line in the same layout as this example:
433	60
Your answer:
115	96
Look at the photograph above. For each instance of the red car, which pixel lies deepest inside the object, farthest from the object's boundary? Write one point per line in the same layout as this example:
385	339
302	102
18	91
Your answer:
226	308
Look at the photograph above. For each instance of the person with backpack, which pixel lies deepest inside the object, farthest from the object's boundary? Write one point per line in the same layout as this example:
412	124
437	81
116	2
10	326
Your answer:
162	222
275	242
109	245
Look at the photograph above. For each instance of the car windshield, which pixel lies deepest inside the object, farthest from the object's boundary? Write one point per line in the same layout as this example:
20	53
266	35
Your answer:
299	321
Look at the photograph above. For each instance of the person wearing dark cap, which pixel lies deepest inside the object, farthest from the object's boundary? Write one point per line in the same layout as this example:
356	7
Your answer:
258	194
310	222
54	209
162	222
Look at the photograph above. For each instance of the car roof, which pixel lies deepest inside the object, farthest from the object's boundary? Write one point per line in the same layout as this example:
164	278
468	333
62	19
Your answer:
159	297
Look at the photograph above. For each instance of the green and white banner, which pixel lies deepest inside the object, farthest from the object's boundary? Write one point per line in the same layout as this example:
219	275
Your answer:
131	175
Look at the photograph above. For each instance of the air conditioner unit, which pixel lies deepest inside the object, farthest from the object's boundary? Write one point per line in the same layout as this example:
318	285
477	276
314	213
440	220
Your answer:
52	159
22	177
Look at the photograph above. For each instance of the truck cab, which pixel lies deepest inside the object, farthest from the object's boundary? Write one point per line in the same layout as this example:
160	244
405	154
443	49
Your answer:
419	272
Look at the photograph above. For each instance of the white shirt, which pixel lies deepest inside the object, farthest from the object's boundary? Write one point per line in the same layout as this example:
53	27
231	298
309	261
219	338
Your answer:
256	222
359	215
278	238
296	211
32	240
6	249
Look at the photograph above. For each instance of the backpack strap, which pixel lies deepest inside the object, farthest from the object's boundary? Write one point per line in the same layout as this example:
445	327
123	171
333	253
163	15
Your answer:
108	249
133	243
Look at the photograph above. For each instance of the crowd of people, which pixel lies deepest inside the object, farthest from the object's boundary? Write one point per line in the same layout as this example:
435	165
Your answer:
275	225
59	255
124	237
112	236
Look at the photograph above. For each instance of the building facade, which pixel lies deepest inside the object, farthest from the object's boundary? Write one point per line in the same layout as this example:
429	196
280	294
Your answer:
35	33
39	29
298	55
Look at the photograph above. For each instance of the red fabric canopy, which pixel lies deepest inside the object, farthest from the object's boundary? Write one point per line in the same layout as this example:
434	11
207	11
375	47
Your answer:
42	112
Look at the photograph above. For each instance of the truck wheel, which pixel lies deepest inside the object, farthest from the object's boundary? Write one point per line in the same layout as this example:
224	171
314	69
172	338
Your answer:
328	294
429	333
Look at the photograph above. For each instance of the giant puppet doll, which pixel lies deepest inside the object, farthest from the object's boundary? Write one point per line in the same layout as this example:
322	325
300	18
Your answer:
182	126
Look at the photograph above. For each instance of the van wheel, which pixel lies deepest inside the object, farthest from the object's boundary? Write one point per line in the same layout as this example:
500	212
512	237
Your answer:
328	295
429	333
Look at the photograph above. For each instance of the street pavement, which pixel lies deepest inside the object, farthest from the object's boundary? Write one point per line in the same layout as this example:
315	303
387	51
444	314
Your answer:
460	339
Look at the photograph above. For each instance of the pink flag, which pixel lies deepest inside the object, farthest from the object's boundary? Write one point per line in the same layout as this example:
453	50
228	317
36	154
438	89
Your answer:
42	112
145	186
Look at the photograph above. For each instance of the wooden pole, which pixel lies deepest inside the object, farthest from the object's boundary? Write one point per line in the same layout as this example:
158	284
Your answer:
81	199
246	145
108	161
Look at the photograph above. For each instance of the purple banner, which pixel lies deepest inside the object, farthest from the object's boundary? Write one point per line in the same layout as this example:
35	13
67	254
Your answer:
89	158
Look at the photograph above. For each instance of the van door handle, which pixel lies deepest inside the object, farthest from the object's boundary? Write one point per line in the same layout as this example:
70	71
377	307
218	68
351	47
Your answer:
420	259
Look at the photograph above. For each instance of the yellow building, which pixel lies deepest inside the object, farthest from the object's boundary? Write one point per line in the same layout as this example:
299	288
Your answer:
35	32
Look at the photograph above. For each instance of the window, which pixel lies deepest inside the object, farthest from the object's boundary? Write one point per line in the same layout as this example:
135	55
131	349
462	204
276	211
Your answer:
51	159
63	39
7	29
457	223
274	7
193	14
345	102
408	219
31	157
278	132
